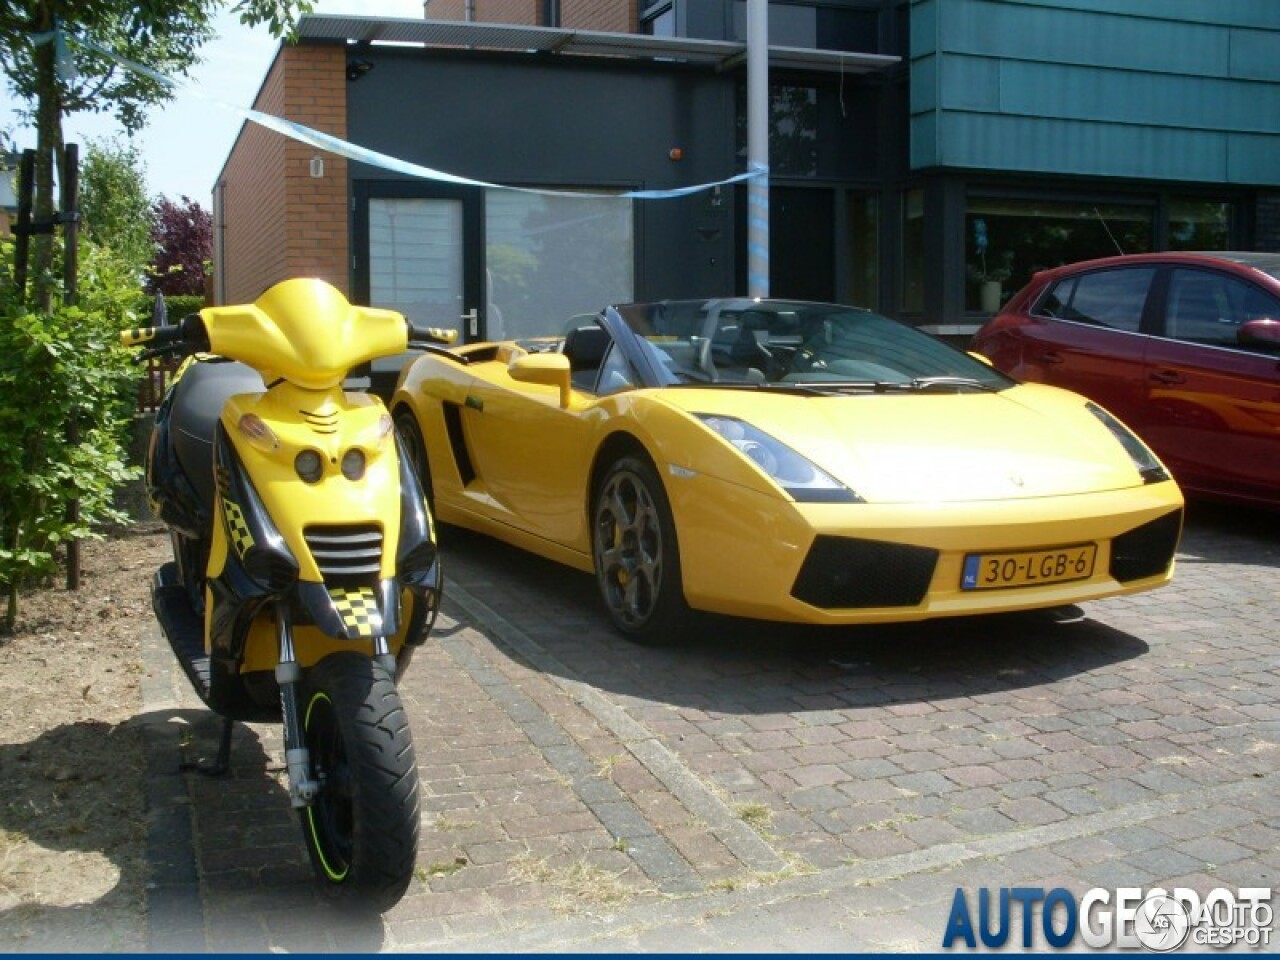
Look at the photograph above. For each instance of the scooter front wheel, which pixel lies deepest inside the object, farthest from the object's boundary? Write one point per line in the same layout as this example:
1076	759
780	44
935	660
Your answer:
361	831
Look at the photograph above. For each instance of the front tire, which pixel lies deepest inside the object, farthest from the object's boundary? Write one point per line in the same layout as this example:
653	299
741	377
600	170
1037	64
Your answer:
411	434
637	560
361	831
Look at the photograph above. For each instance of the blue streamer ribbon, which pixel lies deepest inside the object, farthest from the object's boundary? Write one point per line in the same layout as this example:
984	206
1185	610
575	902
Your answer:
374	158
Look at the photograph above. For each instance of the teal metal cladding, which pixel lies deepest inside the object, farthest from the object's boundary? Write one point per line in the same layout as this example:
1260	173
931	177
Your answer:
1160	89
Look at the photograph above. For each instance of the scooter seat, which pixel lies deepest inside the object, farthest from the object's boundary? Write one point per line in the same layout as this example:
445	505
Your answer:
198	399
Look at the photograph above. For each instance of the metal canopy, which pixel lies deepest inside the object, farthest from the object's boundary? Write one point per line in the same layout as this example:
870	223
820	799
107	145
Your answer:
718	54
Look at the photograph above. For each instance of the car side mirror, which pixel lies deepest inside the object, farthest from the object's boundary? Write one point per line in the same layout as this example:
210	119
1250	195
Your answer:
1261	333
548	369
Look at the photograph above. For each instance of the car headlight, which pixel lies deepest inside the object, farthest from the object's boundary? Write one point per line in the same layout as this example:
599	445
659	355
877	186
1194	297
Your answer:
1149	467
803	479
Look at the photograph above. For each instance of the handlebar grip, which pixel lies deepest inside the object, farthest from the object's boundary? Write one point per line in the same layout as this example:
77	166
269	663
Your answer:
420	334
190	330
139	336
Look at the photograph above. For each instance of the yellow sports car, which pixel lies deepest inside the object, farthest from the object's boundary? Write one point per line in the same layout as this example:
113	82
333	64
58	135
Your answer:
786	461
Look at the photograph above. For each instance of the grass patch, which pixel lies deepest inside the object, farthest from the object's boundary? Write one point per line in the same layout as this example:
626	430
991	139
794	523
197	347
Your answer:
757	816
440	868
448	823
578	886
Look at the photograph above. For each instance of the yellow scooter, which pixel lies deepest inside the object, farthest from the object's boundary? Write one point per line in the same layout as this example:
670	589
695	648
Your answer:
305	570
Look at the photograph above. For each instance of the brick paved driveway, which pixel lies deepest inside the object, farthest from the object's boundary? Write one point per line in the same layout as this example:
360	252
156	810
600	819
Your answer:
579	790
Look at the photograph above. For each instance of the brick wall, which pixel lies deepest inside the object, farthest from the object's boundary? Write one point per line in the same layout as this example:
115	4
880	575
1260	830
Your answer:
316	96
253	221
278	221
616	16
523	12
1267	223
613	16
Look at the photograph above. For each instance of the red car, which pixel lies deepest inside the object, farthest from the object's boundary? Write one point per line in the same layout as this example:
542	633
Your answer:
1183	347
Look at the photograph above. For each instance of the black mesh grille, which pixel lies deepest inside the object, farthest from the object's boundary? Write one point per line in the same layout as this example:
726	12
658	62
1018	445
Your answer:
843	572
345	551
1147	550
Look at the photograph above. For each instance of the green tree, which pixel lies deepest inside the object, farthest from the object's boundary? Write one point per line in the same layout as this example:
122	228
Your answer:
165	35
114	207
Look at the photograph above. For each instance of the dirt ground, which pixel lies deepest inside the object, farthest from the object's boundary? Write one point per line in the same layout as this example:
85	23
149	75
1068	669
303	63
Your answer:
72	812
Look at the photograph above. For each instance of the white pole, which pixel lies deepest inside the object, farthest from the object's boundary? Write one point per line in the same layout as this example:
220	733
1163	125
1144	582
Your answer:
758	147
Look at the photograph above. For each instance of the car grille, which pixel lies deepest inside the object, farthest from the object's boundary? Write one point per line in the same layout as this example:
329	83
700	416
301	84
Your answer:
1147	550
844	572
345	552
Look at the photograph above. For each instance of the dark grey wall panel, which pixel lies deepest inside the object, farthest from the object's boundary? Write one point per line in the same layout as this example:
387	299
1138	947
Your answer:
566	122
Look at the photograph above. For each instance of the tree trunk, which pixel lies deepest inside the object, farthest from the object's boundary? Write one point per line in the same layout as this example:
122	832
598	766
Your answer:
48	135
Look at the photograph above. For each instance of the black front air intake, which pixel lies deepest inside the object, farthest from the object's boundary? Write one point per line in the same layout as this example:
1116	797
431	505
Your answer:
344	552
1146	551
842	572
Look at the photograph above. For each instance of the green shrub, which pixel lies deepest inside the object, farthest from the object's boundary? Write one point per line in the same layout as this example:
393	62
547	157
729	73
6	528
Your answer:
57	369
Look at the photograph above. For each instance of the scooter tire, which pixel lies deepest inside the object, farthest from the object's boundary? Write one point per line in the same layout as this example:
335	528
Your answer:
361	831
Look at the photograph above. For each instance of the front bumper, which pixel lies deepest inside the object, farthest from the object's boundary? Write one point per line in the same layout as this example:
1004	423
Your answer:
746	554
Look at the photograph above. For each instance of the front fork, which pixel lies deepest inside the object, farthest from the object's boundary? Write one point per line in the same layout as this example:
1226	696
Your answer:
303	787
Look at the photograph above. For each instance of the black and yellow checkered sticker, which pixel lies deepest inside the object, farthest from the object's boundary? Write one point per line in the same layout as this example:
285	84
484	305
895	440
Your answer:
358	608
237	529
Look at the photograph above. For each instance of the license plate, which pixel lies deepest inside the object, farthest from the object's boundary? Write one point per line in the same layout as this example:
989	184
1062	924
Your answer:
995	571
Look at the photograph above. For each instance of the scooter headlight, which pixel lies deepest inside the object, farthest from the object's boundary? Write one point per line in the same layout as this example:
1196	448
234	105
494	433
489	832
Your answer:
353	464
310	466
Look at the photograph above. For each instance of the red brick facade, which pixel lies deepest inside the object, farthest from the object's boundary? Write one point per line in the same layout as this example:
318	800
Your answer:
278	221
616	16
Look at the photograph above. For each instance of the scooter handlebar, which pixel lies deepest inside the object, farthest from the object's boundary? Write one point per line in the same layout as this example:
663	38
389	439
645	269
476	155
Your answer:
190	331
419	335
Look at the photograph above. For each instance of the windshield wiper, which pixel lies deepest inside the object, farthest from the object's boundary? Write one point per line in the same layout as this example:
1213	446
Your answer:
950	383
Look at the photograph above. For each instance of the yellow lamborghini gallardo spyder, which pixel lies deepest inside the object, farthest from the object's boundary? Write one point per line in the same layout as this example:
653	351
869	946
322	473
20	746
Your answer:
786	461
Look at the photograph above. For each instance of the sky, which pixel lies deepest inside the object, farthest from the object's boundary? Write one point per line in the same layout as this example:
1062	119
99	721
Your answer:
187	139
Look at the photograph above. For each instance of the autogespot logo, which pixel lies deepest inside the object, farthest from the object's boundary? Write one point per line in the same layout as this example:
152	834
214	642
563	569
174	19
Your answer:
1127	918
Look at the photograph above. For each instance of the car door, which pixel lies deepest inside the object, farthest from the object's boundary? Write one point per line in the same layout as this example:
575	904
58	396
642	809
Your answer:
1089	337
532	454
1213	407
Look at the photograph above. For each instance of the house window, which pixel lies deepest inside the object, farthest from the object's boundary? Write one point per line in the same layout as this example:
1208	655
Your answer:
864	250
793	129
1008	240
913	251
816	26
549	258
661	23
1199	224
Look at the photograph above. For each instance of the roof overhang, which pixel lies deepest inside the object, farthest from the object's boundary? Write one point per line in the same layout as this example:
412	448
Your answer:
716	54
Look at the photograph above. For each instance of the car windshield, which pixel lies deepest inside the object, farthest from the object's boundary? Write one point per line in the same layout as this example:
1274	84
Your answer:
803	346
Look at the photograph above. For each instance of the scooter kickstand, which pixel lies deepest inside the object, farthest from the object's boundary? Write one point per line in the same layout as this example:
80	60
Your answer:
222	762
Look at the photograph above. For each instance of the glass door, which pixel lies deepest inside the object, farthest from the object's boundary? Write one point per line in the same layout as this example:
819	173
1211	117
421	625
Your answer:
420	251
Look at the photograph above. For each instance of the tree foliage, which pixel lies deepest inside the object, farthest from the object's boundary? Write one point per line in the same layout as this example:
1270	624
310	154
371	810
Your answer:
182	237
163	35
115	209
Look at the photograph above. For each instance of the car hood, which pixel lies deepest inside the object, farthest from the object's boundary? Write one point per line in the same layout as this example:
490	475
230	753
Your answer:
1025	441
